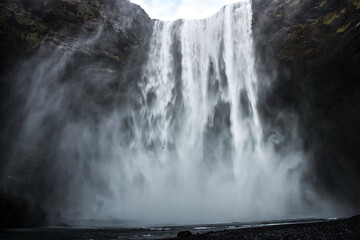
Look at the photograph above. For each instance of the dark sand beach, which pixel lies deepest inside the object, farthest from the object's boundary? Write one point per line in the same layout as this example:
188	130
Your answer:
346	228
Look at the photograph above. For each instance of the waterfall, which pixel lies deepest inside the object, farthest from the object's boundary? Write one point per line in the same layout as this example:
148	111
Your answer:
187	144
200	125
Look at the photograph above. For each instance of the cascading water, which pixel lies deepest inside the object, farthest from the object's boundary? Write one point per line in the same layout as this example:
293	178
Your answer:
189	150
200	122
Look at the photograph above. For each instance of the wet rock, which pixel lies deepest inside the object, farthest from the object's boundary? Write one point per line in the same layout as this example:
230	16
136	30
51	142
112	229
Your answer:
17	212
184	234
24	27
104	37
310	51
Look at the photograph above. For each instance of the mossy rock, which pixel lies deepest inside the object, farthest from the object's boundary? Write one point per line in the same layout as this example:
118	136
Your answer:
344	28
332	16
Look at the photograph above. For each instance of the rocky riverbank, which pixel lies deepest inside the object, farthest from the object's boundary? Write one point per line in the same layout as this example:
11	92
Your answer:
336	229
326	229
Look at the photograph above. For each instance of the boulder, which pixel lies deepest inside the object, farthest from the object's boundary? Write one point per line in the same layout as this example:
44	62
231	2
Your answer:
184	234
17	212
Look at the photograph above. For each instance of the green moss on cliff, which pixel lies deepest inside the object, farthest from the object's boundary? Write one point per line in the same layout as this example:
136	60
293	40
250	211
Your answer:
38	26
278	12
18	26
33	39
85	13
111	56
33	25
321	4
295	31
343	28
356	3
332	16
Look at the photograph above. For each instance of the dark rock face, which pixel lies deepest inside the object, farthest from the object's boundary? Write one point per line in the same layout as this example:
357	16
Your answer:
17	212
110	32
26	25
184	234
311	51
99	47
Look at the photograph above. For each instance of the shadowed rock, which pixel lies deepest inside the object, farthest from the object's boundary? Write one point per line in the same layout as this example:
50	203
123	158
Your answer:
184	234
17	212
309	55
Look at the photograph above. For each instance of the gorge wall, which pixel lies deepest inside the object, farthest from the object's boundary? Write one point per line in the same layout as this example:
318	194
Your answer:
81	47
310	51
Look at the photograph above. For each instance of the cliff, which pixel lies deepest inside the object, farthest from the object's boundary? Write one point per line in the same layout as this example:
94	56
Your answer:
27	25
310	52
86	46
103	36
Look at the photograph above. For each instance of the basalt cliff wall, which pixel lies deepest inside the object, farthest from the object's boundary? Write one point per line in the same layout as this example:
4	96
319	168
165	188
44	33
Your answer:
99	45
308	54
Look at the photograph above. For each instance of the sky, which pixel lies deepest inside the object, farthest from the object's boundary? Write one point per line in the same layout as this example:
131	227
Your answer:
184	9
